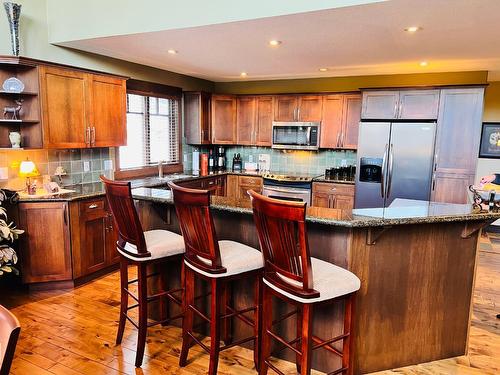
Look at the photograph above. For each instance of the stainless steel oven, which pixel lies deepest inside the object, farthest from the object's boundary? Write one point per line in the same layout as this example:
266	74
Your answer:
296	188
296	135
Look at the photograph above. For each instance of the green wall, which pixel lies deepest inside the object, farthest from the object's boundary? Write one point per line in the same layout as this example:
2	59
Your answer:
34	43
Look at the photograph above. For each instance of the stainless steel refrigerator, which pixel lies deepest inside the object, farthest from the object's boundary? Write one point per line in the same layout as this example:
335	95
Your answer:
395	160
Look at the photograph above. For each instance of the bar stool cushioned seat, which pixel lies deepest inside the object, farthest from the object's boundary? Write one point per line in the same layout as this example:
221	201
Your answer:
329	280
160	243
236	258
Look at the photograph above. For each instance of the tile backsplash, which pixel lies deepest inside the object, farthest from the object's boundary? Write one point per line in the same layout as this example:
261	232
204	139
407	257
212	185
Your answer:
283	161
72	160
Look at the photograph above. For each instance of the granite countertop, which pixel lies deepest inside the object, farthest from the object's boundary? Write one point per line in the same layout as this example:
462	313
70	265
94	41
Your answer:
96	189
402	211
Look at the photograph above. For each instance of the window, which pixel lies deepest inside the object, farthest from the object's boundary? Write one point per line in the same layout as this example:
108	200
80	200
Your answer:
152	132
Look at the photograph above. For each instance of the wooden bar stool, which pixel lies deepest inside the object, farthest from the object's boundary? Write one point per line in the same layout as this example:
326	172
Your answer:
293	276
141	249
9	333
218	262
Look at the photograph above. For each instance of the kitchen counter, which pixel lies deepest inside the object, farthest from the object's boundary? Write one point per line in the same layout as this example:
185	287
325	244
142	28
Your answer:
96	189
402	211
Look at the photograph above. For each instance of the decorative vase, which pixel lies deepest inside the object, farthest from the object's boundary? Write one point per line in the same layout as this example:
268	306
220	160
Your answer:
13	14
15	139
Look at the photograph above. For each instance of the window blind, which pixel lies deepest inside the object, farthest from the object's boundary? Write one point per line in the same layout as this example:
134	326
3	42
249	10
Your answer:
152	131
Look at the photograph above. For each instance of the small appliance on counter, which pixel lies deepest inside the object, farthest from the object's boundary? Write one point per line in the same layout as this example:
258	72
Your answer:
237	163
345	173
221	158
204	164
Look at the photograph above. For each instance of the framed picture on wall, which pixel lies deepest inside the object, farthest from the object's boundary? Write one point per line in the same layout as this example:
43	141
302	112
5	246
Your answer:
490	141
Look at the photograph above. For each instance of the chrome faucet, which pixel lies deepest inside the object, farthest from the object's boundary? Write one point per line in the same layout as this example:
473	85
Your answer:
160	168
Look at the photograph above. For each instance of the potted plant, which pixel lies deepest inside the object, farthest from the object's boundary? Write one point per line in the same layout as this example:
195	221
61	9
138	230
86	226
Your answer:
8	233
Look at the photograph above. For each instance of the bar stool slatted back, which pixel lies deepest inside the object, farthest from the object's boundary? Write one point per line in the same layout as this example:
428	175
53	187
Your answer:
283	241
292	275
125	215
197	228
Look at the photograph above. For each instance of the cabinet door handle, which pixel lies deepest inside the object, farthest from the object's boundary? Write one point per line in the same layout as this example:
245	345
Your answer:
87	136
92	132
298	113
92	206
65	215
333	189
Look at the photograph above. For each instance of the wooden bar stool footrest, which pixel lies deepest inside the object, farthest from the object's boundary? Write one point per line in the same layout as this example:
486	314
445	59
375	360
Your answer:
198	341
274	368
340	370
320	343
277	338
200	314
284	317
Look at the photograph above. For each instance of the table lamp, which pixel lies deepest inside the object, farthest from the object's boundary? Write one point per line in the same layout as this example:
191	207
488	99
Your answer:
28	169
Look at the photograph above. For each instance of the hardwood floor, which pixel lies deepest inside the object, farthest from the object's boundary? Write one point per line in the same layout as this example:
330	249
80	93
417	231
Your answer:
73	332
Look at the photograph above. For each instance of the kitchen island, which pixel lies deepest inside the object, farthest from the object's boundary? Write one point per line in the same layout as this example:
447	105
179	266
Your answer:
416	261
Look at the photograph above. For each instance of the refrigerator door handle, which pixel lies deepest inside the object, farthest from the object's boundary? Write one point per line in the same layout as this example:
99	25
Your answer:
382	176
390	163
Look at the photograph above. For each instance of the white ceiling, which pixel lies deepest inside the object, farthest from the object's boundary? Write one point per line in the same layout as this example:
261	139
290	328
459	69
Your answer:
457	35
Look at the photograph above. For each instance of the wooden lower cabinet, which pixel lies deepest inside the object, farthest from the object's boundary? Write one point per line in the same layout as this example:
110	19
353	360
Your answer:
246	183
45	250
93	239
216	184
80	240
332	195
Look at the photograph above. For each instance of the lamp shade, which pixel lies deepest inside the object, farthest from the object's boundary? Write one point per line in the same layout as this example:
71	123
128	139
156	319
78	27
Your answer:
28	169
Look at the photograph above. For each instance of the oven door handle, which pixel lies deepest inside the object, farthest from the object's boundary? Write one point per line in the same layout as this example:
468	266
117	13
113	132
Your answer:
286	190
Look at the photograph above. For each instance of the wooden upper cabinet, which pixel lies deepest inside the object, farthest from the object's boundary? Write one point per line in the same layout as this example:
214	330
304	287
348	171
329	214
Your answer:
45	254
400	104
418	104
331	124
197	118
80	109
340	121
264	120
223	115
246	109
459	130
380	105
350	118
65	112
108	111
309	108
285	108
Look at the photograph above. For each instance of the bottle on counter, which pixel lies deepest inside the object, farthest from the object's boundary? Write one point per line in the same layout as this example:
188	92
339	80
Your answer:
211	161
204	164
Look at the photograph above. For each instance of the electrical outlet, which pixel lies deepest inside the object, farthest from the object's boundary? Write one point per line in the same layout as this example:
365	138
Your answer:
86	166
108	165
185	158
4	173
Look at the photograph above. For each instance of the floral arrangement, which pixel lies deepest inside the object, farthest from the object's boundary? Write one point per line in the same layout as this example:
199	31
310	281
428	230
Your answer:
8	233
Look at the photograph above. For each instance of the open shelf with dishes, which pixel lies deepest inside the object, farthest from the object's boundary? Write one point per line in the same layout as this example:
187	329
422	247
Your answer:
20	103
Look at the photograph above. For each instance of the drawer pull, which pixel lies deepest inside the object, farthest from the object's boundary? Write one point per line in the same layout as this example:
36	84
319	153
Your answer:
92	206
333	189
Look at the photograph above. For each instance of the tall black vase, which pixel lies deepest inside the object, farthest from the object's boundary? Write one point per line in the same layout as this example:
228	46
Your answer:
13	14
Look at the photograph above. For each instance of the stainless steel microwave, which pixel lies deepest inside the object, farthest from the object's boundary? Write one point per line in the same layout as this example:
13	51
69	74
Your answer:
296	135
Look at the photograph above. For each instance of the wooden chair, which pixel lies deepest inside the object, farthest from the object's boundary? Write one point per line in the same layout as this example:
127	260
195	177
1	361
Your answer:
292	275
9	333
218	262
140	249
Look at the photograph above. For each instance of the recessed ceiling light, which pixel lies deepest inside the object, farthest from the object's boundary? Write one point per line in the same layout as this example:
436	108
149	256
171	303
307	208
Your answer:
424	63
172	51
323	69
243	74
274	42
413	29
